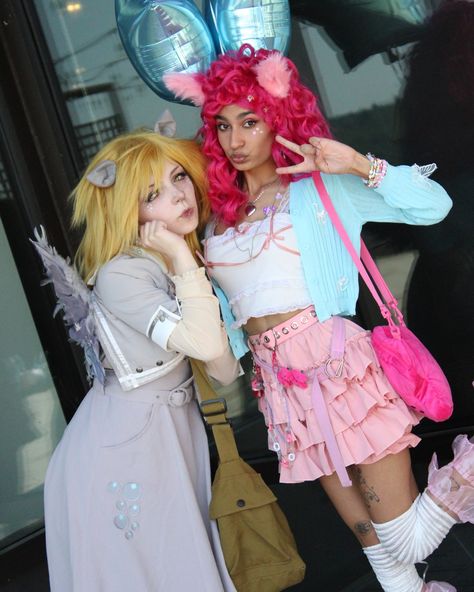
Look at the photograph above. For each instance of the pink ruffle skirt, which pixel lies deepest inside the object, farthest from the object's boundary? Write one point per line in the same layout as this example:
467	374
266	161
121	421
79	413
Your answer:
368	418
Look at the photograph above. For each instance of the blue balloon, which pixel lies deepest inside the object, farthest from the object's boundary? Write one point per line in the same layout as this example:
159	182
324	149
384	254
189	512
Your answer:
262	23
210	18
162	37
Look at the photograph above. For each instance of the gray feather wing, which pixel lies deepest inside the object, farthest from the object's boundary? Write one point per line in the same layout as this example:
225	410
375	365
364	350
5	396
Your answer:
74	299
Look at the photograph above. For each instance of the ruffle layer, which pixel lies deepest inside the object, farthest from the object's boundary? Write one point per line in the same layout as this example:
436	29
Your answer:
368	418
459	500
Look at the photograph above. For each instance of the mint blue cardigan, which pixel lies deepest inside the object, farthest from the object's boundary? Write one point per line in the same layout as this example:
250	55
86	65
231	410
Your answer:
404	195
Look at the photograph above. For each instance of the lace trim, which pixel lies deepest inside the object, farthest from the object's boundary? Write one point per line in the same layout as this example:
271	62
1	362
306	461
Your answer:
293	283
420	174
268	311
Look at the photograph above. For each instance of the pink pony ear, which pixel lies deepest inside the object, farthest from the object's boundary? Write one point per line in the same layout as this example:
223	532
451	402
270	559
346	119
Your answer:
185	86
274	75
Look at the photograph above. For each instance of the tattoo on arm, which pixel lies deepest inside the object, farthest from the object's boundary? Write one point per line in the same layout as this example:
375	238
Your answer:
363	528
367	491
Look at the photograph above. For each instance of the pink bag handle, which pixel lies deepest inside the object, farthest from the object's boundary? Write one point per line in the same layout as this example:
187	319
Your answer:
365	264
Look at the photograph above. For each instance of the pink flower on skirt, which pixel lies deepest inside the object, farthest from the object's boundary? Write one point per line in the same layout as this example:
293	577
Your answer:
287	377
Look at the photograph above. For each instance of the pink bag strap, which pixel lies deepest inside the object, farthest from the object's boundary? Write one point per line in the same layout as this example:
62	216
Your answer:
317	398
365	263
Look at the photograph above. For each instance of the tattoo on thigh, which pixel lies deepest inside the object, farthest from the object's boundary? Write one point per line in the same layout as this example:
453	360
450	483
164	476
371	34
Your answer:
368	492
363	528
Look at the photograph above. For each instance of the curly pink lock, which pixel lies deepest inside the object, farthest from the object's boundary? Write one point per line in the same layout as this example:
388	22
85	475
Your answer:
264	82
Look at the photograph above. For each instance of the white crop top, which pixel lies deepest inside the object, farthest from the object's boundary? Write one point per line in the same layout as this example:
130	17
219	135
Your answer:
258	267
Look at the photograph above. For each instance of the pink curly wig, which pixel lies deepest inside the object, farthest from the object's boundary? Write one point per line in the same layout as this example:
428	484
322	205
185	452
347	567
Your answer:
290	111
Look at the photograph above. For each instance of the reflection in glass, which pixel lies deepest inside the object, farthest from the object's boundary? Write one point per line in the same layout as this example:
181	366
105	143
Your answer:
164	37
438	112
31	421
105	96
104	93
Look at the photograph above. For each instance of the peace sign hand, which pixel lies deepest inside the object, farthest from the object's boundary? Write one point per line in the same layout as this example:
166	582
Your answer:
325	155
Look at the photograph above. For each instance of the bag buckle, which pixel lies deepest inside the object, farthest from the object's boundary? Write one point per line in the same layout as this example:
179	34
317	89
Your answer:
337	373
209	413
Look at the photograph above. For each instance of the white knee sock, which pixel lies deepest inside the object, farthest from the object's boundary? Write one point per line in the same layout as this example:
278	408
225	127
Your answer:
415	534
393	575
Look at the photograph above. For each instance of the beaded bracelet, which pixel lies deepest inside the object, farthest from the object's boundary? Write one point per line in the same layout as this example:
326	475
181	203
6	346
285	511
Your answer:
378	169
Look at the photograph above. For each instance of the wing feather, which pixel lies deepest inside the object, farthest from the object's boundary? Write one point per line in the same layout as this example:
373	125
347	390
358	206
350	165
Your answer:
74	299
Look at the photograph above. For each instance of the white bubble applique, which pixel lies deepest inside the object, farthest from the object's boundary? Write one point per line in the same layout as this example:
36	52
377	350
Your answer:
126	506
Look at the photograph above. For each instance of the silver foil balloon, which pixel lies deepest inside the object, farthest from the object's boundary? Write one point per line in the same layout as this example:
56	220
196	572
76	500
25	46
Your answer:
162	37
262	23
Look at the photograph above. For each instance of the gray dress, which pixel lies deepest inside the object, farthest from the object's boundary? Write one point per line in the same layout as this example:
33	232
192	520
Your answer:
128	488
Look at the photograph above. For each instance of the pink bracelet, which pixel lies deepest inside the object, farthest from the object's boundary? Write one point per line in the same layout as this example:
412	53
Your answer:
378	169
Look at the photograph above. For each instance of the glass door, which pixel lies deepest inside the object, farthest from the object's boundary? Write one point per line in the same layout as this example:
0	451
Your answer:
31	420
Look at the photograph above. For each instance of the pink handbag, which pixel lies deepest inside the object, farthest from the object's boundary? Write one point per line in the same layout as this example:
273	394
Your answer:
410	368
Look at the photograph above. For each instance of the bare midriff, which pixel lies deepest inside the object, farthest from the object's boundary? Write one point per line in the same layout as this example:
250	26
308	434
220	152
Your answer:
257	325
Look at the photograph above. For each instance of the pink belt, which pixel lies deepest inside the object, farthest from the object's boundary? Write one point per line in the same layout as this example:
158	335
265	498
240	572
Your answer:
332	368
284	330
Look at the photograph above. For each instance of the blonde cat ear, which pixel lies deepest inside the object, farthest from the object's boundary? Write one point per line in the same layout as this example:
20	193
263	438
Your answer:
103	174
185	86
166	124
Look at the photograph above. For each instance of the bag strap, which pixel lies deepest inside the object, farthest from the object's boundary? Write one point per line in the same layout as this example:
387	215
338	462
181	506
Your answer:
213	409
325	371
365	264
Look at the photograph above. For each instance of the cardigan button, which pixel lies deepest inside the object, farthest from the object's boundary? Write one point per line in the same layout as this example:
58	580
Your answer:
138	369
159	363
241	503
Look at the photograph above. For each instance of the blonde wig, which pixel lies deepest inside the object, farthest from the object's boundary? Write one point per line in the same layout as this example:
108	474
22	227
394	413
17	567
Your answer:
110	214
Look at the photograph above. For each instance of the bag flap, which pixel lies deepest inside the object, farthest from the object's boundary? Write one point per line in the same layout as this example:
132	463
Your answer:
237	487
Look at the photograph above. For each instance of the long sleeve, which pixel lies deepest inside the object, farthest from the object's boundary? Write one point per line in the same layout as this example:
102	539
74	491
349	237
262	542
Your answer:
236	337
226	368
405	195
199	333
137	291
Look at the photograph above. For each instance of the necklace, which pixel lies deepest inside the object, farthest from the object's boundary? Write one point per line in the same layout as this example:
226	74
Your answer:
250	207
268	211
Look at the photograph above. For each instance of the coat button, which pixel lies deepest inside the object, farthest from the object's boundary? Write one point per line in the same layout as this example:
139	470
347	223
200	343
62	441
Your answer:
159	363
138	369
241	503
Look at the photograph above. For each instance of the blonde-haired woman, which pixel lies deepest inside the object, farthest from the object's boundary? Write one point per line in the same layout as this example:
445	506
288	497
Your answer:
127	489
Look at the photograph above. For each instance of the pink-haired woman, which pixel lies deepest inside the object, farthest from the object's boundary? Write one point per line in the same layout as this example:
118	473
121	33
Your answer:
284	277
